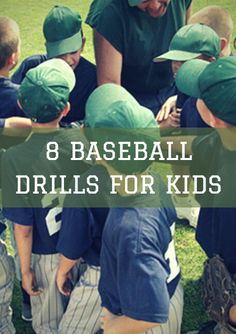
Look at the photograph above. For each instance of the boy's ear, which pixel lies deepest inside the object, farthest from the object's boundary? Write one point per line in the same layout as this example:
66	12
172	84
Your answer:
217	122
66	110
224	43
13	60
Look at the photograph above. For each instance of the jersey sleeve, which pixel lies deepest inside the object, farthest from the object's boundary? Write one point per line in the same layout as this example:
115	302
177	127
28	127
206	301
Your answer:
112	18
25	66
76	234
188	3
21	216
148	298
2	122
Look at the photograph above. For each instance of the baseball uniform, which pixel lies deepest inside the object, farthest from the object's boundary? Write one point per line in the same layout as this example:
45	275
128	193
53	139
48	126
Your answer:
140	276
80	238
29	158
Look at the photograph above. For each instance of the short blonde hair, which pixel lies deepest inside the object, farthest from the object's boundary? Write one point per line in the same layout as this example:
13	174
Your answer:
9	39
217	18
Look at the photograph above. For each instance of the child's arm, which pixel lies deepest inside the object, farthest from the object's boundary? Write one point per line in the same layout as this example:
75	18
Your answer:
113	324
63	274
23	235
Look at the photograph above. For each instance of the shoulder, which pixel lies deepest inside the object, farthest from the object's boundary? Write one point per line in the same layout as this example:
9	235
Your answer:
205	144
26	65
103	8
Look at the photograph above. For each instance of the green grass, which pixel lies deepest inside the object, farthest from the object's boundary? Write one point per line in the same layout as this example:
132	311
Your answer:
30	15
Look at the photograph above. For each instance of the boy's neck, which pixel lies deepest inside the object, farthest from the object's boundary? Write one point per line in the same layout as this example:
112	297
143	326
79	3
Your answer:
5	72
45	126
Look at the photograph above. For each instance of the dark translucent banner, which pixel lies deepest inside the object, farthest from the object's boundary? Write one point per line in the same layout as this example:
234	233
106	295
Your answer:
117	167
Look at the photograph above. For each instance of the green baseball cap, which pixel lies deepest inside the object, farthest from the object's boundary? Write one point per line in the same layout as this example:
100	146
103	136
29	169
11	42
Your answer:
45	90
214	83
192	41
62	31
112	106
133	3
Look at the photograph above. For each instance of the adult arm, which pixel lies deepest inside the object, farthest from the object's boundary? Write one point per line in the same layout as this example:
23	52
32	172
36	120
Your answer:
188	13
108	60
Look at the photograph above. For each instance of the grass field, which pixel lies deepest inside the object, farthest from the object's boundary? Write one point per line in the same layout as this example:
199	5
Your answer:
30	15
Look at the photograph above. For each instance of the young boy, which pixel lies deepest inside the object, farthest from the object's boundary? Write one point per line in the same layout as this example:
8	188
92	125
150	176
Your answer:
191	41
214	85
63	33
9	57
139	286
43	95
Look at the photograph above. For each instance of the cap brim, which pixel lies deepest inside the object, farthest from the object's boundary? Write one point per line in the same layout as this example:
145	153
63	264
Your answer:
176	55
68	45
187	77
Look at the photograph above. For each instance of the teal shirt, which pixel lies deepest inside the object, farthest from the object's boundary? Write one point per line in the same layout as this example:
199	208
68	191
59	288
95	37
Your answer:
139	38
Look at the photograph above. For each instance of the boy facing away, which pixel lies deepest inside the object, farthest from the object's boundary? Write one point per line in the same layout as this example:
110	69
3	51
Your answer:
214	86
43	95
140	278
9	57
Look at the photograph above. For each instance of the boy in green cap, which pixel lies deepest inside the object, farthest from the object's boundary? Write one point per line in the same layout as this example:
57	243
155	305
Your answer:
140	284
214	85
64	37
43	96
191	41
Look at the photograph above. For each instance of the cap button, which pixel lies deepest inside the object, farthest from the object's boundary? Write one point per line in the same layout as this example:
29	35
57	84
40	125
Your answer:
39	83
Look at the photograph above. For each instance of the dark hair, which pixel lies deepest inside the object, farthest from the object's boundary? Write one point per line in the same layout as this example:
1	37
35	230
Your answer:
9	39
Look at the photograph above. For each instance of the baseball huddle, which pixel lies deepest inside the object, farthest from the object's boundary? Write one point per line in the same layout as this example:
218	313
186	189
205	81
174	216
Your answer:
113	269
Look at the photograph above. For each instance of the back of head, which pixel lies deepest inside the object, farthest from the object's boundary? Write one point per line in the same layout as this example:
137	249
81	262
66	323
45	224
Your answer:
214	83
62	31
112	107
215	17
9	39
45	90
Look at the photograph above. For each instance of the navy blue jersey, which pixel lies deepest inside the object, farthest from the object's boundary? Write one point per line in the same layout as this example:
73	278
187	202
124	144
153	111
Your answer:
29	158
86	82
139	270
190	117
81	233
2	122
181	99
8	98
2	227
216	229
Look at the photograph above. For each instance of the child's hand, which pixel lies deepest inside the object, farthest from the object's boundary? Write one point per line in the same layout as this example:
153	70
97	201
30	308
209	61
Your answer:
166	109
29	283
173	120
